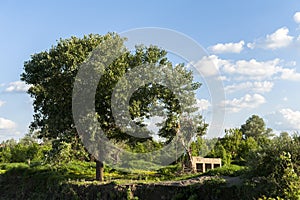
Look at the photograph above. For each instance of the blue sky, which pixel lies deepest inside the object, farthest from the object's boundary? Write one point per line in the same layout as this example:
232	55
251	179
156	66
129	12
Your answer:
254	44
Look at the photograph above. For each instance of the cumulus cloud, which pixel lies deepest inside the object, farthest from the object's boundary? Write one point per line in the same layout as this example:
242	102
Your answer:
290	74
257	86
209	65
246	69
297	17
17	86
202	104
245	102
227	47
291	116
254	69
153	123
279	39
6	124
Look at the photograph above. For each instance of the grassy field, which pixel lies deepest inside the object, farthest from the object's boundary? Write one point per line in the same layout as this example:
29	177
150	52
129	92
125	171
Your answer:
39	181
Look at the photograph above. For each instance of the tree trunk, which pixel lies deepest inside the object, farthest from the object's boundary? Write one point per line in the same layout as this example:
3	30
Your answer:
99	170
190	159
187	149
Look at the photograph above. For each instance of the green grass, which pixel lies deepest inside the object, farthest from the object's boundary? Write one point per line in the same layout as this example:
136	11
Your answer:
227	170
85	171
40	181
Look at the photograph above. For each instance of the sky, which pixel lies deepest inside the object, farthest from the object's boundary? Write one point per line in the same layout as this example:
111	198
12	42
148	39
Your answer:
255	46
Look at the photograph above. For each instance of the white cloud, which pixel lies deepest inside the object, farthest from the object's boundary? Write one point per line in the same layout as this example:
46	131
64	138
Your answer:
247	101
291	63
2	103
297	17
227	47
202	104
262	87
6	124
279	39
209	65
17	86
152	123
254	69
291	116
285	99
258	87
246	69
223	78
290	74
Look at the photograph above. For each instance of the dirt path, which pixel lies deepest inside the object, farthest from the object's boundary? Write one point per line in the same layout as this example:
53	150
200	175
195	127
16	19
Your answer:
191	181
230	181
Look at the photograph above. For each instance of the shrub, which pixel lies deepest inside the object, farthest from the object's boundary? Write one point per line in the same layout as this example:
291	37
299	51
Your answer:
227	170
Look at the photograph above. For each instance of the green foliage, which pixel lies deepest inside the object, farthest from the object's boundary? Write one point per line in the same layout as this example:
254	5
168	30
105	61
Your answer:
227	170
270	198
237	144
246	147
255	127
220	152
200	147
277	165
26	150
170	170
5	154
290	181
22	153
52	73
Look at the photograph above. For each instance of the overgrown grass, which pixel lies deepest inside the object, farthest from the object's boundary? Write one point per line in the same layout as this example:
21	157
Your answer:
41	180
227	170
85	171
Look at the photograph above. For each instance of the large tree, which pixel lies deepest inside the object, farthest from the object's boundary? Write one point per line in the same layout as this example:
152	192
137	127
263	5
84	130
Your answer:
52	73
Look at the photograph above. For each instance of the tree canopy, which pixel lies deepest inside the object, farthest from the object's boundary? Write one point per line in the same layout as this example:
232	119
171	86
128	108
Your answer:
52	73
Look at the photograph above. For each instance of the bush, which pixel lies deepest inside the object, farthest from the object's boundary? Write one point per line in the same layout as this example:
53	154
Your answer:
227	170
24	151
170	170
276	166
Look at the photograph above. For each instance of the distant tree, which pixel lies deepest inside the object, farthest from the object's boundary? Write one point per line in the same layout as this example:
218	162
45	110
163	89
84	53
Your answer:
24	152
246	147
5	150
284	136
199	147
255	127
233	147
231	142
219	151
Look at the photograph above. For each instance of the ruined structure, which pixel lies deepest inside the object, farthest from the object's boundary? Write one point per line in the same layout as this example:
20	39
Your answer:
200	164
